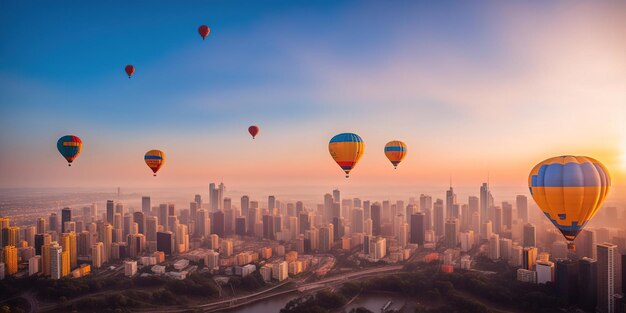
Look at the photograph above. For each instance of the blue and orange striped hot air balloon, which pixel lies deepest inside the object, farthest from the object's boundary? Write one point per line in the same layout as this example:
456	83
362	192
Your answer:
346	149
569	190
69	146
155	160
395	151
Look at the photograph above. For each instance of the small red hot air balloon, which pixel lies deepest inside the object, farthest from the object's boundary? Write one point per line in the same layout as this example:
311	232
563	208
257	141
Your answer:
253	130
129	70
204	31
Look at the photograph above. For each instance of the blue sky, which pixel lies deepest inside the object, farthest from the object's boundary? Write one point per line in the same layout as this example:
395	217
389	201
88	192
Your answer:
484	80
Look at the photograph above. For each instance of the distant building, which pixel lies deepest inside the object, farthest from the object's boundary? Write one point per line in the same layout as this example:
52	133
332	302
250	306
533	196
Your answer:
526	276
529	257
130	268
567	280
530	235
545	272
165	242
588	283
280	270
606	277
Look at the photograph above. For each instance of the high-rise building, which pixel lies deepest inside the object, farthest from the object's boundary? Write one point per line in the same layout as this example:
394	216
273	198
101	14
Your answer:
240	226
54	222
217	223
586	244
110	211
378	248
216	196
521	203
507	215
588	283
41	226
326	241
10	259
337	195
606	277
451	233
56	266
438	218
146	205
450	201
357	220
162	215
530	235
529	257
271	203
165	242
376	215
97	252
545	272
567	280
494	247
140	219
497	220
506	245
417	228
485	199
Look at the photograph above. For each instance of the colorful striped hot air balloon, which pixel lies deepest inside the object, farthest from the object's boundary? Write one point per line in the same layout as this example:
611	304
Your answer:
155	160
69	146
395	151
569	190
346	149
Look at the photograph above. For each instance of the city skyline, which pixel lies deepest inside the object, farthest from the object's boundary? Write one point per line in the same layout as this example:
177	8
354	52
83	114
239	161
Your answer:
464	106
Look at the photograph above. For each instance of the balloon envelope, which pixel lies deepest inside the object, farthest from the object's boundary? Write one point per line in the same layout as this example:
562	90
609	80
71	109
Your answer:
395	151
69	146
569	190
155	160
204	31
129	70
346	149
253	130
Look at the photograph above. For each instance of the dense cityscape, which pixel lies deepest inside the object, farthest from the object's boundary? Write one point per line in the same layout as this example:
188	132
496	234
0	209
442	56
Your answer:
307	248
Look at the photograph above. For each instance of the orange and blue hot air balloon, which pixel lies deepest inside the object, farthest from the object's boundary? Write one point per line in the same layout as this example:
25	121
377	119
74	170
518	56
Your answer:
569	190
155	160
69	146
395	151
346	149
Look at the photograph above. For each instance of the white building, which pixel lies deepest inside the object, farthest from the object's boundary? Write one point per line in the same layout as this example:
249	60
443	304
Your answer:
130	268
280	270
527	276
545	272
34	265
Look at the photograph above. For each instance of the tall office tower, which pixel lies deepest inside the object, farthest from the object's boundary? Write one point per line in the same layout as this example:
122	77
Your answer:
497	219
171	209
485	195
450	201
110	211
367	209
606	277
97	252
299	207
162	215
410	209
271	202
292	222
87	216
506	245
182	238
357	220
40	240
507	215
94	212
54	222
403	235
337	227
240	226
69	244
417	228
268	227
465	218
305	222
146	205
107	241
376	214
451	233
545	272
530	235
357	203
198	200
328	207
566	280
10	259
474	205
140	219
203	228
217	223
228	204
367	226
529	257
336	210
586	244
378	248
438	217
229	221
494	247
41	226
337	195
588	283
386	211
245	205
151	228
216	196
521	203
10	236
56	266
126	226
84	243
326	238
165	242
253	218
475	224
426	203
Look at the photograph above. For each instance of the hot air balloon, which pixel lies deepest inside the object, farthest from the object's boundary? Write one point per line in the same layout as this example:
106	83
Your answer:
346	149
155	160
569	190
253	130
69	146
129	70
395	151
204	31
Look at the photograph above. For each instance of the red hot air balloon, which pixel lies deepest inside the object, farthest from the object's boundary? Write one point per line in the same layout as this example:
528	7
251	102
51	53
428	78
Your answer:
253	130
204	31
129	70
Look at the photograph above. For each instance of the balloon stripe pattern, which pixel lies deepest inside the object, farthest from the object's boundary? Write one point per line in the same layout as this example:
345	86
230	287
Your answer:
155	160
346	149
70	147
395	151
569	190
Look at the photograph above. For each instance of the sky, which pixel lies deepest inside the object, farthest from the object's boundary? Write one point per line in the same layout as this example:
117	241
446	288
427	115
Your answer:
474	89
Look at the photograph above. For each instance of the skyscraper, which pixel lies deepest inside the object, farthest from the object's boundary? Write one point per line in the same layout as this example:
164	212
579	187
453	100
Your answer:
530	235
438	217
146	206
485	196
450	201
588	283
521	203
10	259
165	242
271	203
606	277
337	195
567	280
140	219
245	205
110	211
357	220
497	219
217	223
376	218
56	266
451	232
586	244
529	257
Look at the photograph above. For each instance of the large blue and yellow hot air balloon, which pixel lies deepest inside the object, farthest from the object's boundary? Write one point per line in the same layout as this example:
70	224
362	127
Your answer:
395	151
69	146
155	160
346	149
569	190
